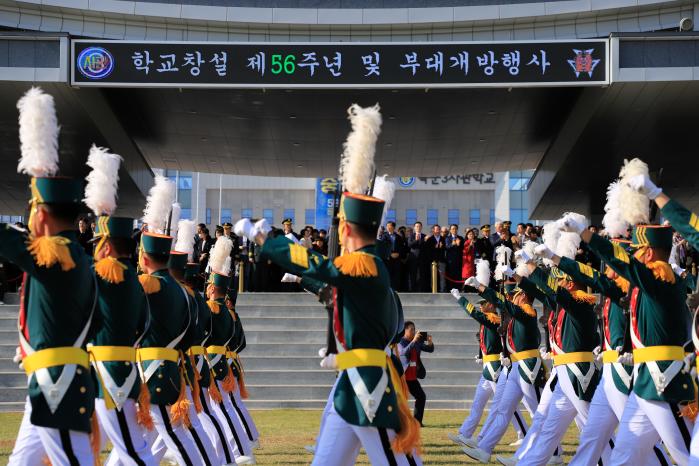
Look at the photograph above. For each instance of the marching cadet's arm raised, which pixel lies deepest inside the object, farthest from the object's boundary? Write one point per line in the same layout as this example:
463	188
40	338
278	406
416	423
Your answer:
529	287
475	313
503	304
13	247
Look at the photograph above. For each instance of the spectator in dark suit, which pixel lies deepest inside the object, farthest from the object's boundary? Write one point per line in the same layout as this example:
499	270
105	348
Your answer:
433	252
484	249
85	235
395	252
416	243
454	253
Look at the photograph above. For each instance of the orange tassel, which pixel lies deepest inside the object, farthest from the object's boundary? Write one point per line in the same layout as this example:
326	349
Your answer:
50	250
407	439
689	410
143	416
213	389
110	270
241	381
45	460
214	306
179	411
357	264
149	283
228	384
196	390
95	438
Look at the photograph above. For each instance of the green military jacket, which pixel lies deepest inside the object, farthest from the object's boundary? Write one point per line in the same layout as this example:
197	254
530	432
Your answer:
124	315
56	309
489	339
366	318
522	335
238	342
615	322
222	333
170	321
201	331
659	317
682	220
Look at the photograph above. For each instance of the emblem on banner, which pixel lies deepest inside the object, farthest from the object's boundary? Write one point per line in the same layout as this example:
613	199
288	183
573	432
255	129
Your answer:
583	62
406	181
95	63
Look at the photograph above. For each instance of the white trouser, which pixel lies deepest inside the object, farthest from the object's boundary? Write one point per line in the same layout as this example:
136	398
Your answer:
564	407
499	392
694	448
204	448
539	418
516	389
129	446
643	424
339	444
177	439
235	433
606	409
63	447
484	390
244	414
214	428
326	411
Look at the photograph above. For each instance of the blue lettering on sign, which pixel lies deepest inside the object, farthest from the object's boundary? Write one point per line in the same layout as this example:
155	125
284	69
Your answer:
95	63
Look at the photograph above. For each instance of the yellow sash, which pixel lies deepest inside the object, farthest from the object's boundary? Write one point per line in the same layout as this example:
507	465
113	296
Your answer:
570	358
51	357
521	355
658	353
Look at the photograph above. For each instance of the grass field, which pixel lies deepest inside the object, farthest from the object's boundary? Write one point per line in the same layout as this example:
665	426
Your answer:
285	432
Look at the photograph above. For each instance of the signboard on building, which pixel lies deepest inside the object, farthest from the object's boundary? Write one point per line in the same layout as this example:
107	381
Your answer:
106	63
456	181
325	202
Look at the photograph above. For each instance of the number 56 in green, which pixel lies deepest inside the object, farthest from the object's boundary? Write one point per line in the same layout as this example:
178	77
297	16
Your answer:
288	65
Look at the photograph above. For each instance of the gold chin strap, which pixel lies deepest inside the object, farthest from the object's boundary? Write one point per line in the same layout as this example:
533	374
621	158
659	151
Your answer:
103	228
33	204
640	252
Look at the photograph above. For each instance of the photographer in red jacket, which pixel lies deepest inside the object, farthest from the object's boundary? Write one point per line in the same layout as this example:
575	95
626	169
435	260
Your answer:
409	349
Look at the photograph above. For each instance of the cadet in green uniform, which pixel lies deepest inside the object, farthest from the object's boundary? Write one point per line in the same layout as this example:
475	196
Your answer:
124	315
659	319
365	409
162	346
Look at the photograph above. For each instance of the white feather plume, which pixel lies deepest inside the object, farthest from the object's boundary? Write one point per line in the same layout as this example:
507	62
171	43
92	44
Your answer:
102	181
613	220
634	206
384	189
550	238
186	230
158	204
357	161
568	244
176	210
226	270
219	253
483	272
522	269
38	134
503	254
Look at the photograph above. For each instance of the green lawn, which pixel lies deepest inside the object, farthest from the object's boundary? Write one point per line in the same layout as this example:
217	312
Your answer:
285	432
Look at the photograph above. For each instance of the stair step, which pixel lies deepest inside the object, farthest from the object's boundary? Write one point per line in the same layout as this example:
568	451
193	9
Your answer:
311	323
292	363
318	337
280	377
434	392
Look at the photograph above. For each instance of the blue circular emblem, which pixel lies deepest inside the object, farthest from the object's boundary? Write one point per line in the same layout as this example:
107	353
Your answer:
406	181
95	63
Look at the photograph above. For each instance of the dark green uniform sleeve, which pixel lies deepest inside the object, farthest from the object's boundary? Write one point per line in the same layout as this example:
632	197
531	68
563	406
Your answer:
682	220
314	286
504	305
477	315
302	261
587	276
622	263
529	287
573	307
13	247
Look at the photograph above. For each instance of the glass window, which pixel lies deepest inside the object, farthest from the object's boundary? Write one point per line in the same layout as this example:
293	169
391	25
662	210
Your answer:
186	214
519	216
184	197
519	183
310	216
453	216
410	216
208	216
432	217
391	215
290	213
226	216
269	215
492	216
474	217
185	180
246	213
16	218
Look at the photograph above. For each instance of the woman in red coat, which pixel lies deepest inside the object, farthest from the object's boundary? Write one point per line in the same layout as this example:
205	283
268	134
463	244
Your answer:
468	267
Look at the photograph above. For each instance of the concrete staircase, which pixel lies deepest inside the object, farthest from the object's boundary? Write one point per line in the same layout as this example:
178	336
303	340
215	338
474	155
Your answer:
284	333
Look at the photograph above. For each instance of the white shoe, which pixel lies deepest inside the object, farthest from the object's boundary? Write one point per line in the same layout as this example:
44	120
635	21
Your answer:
507	460
471	442
517	442
459	439
310	449
555	460
245	460
477	454
256	444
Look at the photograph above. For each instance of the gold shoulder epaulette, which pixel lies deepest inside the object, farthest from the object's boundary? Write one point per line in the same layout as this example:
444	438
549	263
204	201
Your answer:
150	283
110	270
582	297
528	309
357	264
49	250
214	306
662	271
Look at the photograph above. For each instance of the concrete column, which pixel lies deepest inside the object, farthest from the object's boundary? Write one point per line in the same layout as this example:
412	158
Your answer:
502	196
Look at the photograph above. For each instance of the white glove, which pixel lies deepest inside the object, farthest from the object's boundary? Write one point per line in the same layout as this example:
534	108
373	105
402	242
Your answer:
261	227
505	361
506	270
455	293
244	227
290	278
328	362
323	352
479	360
597	353
689	361
17	359
473	282
522	255
624	358
545	355
643	184
543	251
569	224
